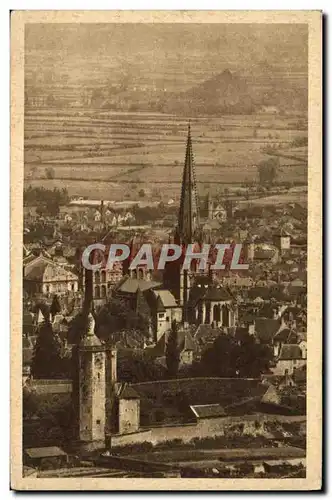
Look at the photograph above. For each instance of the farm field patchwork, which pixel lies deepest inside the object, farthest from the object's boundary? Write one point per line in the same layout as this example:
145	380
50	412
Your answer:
102	151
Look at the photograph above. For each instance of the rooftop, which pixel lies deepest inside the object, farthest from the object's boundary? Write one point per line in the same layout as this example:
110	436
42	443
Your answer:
46	452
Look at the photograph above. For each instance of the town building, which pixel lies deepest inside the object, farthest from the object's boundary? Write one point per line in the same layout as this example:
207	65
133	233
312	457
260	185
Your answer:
43	276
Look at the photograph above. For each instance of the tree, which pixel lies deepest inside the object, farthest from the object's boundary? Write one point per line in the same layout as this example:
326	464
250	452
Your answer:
172	351
119	316
233	358
49	173
46	360
55	306
267	171
134	366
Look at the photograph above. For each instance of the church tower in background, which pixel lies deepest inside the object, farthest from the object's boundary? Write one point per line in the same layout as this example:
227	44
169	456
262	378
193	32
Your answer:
187	231
188	220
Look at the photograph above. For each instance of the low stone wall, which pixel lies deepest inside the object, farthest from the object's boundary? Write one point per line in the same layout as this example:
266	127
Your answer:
142	436
240	425
41	386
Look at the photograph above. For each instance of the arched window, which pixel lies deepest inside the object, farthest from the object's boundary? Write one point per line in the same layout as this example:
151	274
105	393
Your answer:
216	313
225	315
103	276
97	277
103	291
97	292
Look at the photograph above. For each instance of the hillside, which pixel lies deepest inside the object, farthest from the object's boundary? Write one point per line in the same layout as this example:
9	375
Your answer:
234	93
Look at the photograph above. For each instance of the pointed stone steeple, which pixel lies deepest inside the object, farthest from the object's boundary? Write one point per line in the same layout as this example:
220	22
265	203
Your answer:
188	222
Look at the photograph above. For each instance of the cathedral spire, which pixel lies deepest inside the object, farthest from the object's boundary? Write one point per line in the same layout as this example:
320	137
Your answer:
188	222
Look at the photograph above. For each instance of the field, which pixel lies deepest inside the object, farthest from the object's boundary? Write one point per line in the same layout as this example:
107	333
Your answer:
112	155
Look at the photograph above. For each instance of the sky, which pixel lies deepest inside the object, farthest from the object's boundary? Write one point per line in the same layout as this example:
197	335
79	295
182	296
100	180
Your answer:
176	49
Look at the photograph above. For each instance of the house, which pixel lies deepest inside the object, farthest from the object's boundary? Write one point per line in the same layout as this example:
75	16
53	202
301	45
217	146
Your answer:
164	309
44	276
291	356
266	329
282	240
44	457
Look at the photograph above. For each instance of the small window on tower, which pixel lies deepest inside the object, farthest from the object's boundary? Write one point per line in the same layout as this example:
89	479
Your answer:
98	421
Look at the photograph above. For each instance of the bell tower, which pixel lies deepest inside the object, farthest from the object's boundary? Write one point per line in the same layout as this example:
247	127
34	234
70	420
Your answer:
92	387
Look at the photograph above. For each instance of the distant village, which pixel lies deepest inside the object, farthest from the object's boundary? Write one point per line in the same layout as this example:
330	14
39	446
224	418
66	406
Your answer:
120	363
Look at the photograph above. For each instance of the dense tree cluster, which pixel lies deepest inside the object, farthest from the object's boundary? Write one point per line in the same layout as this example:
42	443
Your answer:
48	201
48	360
230	357
267	171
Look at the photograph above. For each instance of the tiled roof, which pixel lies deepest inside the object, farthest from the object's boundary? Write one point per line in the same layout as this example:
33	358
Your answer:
206	331
167	299
266	328
48	271
36	273
290	351
217	293
46	452
131	285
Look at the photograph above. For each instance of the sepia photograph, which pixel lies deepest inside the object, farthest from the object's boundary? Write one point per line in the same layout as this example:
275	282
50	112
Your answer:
166	260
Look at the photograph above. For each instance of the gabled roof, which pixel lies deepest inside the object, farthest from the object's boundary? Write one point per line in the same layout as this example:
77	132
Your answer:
167	299
266	329
45	452
132	285
46	270
285	335
290	351
216	294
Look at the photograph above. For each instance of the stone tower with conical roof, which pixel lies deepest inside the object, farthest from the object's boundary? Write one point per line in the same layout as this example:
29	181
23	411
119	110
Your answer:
92	387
